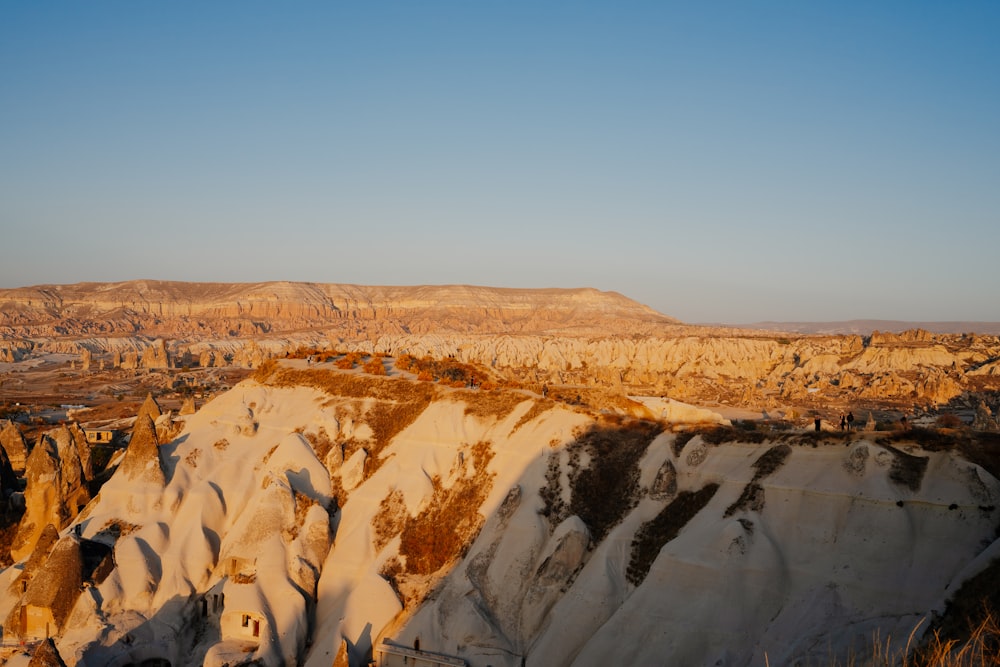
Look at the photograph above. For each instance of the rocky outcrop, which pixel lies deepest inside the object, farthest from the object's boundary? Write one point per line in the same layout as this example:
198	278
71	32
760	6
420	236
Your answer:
73	489
46	655
44	499
13	442
149	408
142	456
51	593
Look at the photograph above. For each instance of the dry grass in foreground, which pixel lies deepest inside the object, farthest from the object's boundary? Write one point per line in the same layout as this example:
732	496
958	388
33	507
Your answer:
981	648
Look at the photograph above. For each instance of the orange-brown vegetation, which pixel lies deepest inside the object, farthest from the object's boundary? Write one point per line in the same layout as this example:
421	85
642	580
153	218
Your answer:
446	528
374	366
399	402
389	520
486	404
321	443
302	505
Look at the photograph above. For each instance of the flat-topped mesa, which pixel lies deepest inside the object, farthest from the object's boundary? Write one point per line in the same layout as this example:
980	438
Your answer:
76	308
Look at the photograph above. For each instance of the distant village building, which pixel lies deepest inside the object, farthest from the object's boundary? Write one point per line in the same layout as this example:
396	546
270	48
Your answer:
100	436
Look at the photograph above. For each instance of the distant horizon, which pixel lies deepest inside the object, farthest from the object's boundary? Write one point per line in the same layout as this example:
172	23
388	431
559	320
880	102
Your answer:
734	162
848	325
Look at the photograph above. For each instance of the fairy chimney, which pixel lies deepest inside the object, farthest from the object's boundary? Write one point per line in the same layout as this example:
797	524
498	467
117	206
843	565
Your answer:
142	456
13	442
43	499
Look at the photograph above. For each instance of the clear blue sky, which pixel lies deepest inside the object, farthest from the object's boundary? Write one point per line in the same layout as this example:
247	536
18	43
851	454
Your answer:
718	161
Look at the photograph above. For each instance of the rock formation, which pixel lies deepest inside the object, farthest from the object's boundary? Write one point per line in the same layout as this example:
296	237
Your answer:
13	442
142	456
149	408
51	593
44	499
46	655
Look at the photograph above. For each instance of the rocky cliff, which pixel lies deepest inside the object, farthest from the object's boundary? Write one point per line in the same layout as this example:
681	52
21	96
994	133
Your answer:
311	515
557	336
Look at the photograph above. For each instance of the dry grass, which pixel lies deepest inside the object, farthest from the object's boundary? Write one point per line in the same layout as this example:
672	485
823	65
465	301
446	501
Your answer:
538	408
399	402
979	646
486	404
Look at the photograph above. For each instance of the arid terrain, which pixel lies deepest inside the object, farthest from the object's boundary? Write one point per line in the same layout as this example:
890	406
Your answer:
288	473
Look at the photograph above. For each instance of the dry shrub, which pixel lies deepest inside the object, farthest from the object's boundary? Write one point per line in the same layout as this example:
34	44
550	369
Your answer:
723	434
983	449
654	534
404	362
264	372
948	421
374	366
192	458
391	571
344	363
320	442
425	376
968	618
221	445
10	522
445	529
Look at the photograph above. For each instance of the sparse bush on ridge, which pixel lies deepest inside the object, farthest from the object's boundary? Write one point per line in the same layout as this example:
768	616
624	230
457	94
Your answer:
374	366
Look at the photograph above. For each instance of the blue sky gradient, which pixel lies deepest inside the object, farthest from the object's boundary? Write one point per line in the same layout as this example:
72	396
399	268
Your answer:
720	162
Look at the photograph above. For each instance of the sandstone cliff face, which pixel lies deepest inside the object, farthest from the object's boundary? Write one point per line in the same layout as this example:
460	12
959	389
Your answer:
269	307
